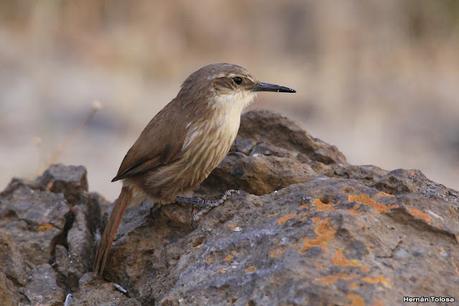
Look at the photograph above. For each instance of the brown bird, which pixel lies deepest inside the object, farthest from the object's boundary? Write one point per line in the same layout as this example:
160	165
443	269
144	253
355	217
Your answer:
184	142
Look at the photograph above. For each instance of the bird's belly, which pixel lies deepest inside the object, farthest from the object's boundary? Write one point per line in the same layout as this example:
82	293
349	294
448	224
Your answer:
204	153
208	151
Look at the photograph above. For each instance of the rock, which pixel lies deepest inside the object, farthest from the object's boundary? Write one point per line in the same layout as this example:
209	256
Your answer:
47	234
95	291
307	228
13	265
70	180
283	134
33	218
43	289
327	241
80	240
270	153
8	294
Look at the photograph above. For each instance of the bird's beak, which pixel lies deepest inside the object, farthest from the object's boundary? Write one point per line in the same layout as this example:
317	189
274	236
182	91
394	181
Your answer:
260	86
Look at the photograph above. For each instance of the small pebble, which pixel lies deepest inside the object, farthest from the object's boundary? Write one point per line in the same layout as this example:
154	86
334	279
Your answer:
120	289
68	299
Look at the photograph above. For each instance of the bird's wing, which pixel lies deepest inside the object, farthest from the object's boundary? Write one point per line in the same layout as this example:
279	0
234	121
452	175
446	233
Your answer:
160	143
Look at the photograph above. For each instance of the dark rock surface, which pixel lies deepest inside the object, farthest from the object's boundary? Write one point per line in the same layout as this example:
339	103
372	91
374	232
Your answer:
306	228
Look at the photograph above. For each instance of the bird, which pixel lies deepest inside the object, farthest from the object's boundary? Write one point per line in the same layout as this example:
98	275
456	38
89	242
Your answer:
184	142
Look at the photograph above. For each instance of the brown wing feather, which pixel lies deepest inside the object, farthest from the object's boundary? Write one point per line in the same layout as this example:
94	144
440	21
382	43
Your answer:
159	143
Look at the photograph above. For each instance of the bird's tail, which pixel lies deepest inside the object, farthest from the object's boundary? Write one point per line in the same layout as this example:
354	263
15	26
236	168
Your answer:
111	229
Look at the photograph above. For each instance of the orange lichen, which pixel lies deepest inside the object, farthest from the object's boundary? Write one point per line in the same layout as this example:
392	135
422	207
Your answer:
383	194
44	227
320	266
364	199
285	218
354	211
354	285
250	269
377	303
228	258
340	260
277	252
209	260
324	233
377	280
419	214
333	278
355	299
321	206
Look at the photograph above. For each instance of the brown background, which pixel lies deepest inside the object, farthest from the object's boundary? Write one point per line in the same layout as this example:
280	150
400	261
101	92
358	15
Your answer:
379	79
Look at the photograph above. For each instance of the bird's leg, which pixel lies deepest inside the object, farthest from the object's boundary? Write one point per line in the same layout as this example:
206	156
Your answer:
201	203
193	201
204	205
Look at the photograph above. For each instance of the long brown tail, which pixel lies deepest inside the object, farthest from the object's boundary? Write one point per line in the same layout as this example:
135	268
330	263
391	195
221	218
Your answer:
111	229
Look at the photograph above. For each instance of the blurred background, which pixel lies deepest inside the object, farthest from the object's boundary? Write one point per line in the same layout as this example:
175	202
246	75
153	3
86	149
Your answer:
80	79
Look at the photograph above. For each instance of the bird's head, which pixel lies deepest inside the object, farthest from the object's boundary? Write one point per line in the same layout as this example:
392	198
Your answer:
227	84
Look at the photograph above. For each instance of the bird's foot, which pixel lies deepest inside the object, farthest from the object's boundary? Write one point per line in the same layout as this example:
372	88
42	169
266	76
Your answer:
203	205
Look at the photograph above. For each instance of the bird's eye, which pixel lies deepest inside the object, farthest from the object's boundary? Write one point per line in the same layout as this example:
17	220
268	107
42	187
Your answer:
237	80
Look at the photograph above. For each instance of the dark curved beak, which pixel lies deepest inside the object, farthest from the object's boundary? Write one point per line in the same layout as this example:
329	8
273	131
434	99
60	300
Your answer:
260	86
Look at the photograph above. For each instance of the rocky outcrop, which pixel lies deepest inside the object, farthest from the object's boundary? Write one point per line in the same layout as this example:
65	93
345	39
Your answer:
306	228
